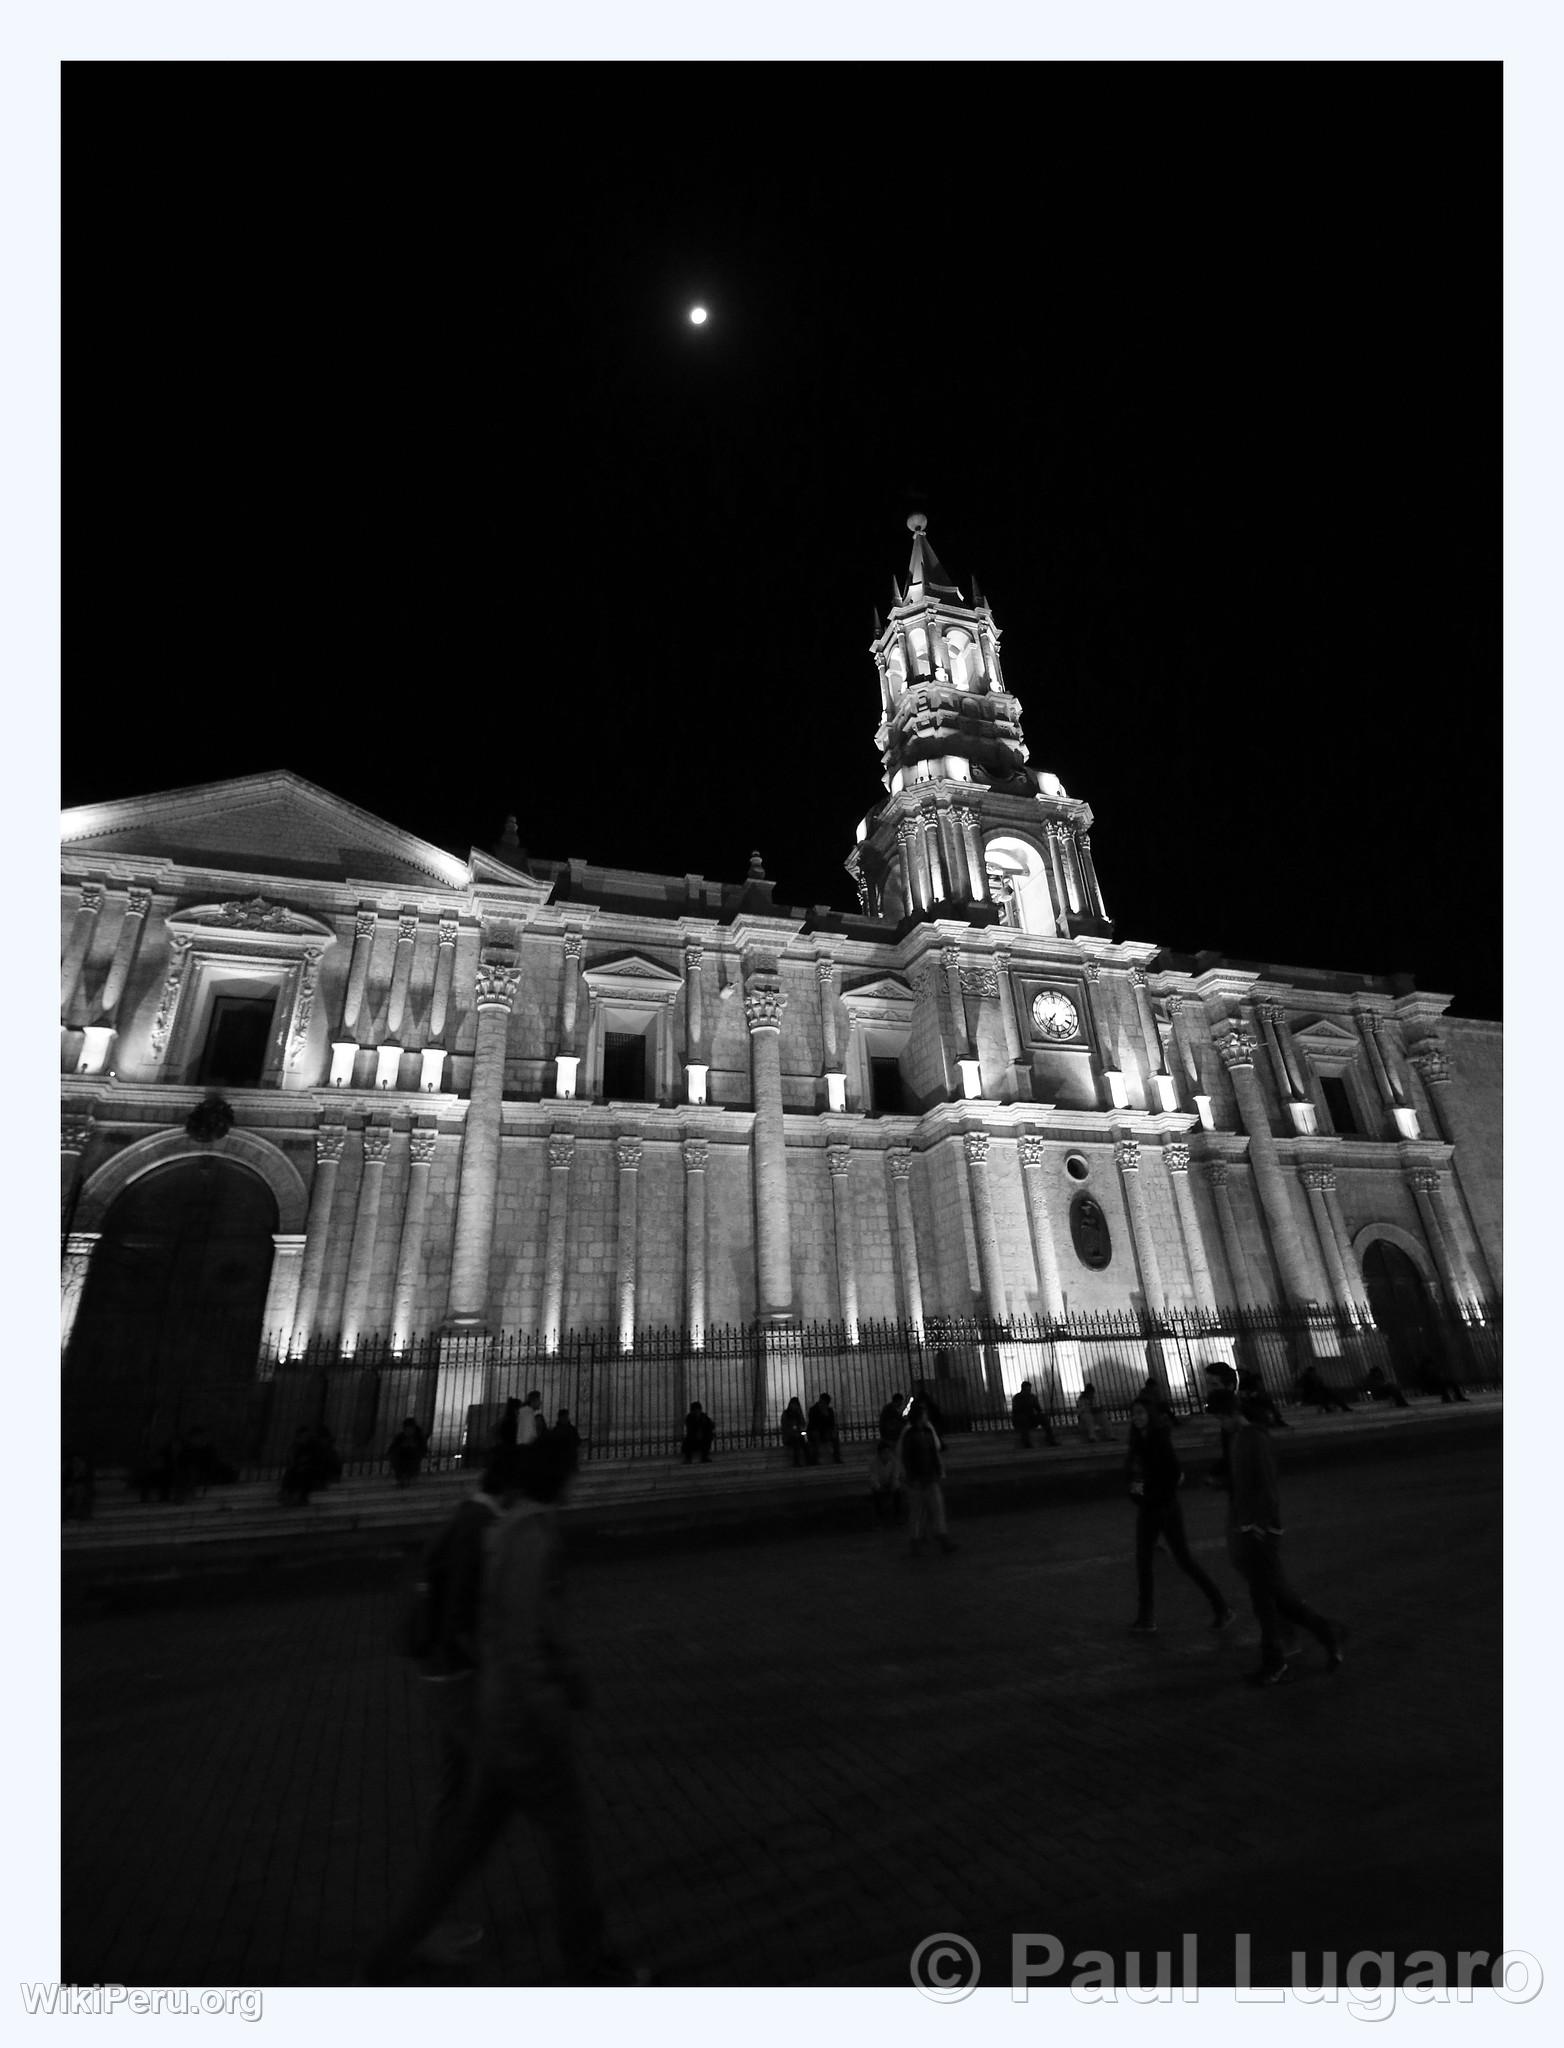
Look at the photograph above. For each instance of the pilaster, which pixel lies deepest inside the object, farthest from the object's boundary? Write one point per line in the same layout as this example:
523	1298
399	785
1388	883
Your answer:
839	1162
495	991
764	1003
629	1154
410	1245
696	1151
1044	1250
996	1302
1126	1157
561	1152
899	1165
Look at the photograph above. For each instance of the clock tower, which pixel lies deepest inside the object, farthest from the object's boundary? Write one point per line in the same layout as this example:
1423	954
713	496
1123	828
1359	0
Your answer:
967	827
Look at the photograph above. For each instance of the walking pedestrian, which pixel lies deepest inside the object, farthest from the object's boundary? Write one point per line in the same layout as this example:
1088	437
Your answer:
1089	1415
920	1454
1255	1535
1026	1414
795	1432
892	1416
569	1437
521	1758
885	1495
1154	1475
405	1452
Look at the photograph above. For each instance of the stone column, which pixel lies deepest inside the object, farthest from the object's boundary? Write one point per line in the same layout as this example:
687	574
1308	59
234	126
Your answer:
77	946
1175	1157
839	1160
1232	1238
825	975
75	1136
329	1142
79	1248
474	1236
694	1019
961	1037
401	975
1150	1035
1083	846
179	945
900	1165
570	990
1175	1005
1044	1250
137	903
629	1150
1051	831
364	925
444	971
1126	1157
1427	1187
361	1257
410	1246
1284	1054
1015	1051
1317	1179
1349	1258
695	1157
561	1151
966	817
764	1003
280	1314
995	1301
1370	1023
928	825
1237	1049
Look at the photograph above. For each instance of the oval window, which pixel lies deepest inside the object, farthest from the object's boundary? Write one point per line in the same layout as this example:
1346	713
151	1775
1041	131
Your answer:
1089	1233
1076	1167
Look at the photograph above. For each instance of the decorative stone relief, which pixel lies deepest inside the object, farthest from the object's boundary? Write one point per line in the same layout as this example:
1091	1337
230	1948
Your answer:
900	1164
1032	1153
839	1159
421	1145
75	1131
304	1004
364	923
1126	1155
1216	1172
696	1153
1425	1181
1176	1157
1432	1062
1236	1047
977	1148
329	1143
448	929
377	1145
561	1149
179	959
979	981
496	984
763	1007
1321	1177
629	1150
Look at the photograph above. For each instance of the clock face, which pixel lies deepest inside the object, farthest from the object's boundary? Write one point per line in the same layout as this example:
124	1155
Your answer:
1054	1015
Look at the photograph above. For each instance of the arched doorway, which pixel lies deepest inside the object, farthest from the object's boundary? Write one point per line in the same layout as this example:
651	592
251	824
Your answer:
1398	1295
169	1328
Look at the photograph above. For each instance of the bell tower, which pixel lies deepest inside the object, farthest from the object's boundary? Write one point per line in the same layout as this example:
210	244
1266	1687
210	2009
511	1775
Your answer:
967	828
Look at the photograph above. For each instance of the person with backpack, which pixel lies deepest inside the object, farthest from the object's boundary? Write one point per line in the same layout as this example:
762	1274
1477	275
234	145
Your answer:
920	1454
517	1752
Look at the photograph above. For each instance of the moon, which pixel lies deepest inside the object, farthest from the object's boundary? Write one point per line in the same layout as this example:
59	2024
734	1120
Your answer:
697	316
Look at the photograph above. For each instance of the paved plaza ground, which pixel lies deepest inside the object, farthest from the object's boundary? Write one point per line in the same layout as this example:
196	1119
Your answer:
806	1755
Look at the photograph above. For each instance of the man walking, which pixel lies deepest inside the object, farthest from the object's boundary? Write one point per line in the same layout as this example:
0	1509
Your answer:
1254	1523
920	1454
1155	1476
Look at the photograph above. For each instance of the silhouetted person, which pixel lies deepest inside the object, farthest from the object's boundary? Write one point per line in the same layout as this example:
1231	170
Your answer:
1253	1389
1026	1414
1382	1389
328	1459
885	1494
699	1434
822	1430
892	1416
920	1454
1089	1415
301	1474
1154	1476
521	1754
1318	1394
1254	1523
795	1432
405	1452
569	1437
507	1429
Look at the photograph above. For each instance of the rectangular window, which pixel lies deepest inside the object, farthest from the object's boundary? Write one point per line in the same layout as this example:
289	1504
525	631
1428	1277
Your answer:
624	1066
887	1096
237	1037
1339	1103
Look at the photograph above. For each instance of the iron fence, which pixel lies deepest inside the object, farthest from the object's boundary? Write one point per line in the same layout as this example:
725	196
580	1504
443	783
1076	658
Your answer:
631	1402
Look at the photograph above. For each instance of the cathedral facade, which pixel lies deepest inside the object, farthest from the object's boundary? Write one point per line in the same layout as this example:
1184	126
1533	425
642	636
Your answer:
322	1080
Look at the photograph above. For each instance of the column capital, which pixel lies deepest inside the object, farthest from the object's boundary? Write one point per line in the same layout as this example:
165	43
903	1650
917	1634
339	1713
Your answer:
763	1006
1236	1047
696	1153
138	902
79	1243
377	1144
75	1131
561	1149
1031	1151
950	959
364	923
421	1144
1425	1180
496	984
91	897
329	1143
900	1164
1373	1020
1272	1013
1173	1002
1126	1155
407	929
1137	978
629	1151
976	1143
1432	1063
448	930
1322	1178
839	1158
905	828
1092	969
693	956
824	969
1083	839
967	816
574	941
1216	1172
1175	1156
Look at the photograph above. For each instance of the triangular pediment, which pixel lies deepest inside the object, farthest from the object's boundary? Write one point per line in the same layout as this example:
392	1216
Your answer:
886	989
1325	1031
631	967
273	824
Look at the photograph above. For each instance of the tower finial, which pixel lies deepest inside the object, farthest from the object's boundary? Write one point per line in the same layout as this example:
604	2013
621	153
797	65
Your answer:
917	522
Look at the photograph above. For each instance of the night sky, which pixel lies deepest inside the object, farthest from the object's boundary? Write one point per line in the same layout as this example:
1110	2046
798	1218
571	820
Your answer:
391	457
